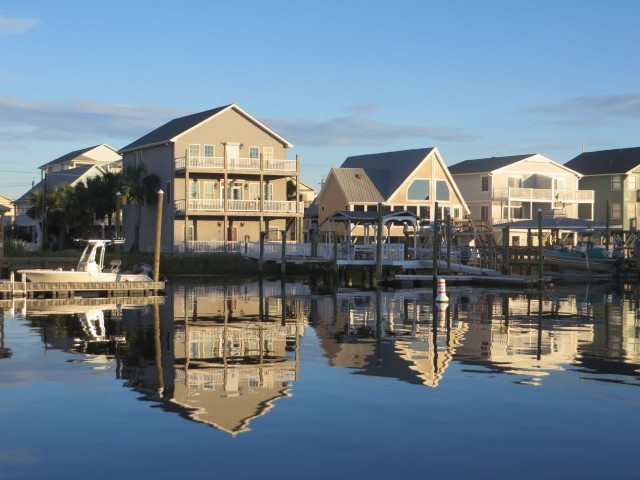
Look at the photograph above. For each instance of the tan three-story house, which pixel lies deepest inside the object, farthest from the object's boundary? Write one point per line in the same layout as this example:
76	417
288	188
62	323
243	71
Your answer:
225	178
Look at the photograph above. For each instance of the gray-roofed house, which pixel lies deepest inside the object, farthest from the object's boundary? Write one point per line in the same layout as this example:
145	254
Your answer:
411	180
69	169
102	155
499	190
613	175
224	175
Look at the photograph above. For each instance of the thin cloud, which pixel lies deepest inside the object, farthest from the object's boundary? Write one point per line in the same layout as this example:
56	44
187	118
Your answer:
364	108
354	130
75	120
16	25
625	105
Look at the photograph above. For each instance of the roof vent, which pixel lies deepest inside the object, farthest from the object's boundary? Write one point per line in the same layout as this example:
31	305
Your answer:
358	176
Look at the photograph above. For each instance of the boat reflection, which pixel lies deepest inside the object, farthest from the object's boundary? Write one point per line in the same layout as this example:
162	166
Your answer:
224	355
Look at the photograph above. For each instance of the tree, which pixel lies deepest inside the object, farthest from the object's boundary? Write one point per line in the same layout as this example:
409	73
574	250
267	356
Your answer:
102	194
58	213
138	187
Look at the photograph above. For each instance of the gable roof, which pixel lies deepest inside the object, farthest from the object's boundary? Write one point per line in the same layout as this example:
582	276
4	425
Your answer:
70	177
356	185
69	156
482	165
75	154
605	162
388	170
172	130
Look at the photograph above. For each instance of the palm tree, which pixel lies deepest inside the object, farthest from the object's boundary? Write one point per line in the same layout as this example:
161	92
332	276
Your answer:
102	194
138	187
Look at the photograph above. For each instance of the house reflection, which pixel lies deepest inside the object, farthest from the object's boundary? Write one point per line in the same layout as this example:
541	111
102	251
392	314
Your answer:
403	345
529	335
228	352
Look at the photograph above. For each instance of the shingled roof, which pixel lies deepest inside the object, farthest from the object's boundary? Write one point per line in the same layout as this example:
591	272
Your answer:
357	185
482	165
172	129
70	156
388	170
62	177
606	162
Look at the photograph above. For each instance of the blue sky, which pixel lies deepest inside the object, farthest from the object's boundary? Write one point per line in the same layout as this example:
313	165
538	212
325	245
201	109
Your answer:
336	78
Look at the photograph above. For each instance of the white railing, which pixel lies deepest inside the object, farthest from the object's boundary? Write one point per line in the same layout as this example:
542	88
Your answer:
243	205
282	206
201	205
214	163
217	205
283	165
218	163
243	164
364	253
543	195
210	246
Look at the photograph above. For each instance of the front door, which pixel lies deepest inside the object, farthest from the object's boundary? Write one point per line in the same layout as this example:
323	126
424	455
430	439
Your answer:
233	154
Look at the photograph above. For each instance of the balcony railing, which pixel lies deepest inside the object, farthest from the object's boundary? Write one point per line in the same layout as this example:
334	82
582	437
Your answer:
543	195
283	165
284	206
217	205
240	164
201	205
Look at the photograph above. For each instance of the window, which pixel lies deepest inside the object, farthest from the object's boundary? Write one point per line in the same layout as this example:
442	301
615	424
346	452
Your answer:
514	182
209	190
194	190
616	182
412	209
456	212
268	191
189	233
516	212
194	151
254	191
425	212
631	182
254	152
358	208
418	190
209	151
267	153
631	210
442	190
557	183
616	211
484	212
485	184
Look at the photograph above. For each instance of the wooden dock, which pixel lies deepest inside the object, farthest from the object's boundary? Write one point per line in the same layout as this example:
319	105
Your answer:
48	306
12	289
472	280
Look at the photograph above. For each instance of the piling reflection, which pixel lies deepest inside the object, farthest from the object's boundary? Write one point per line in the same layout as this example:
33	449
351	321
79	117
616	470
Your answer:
224	355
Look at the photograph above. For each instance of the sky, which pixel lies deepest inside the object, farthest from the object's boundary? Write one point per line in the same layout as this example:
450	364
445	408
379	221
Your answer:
334	77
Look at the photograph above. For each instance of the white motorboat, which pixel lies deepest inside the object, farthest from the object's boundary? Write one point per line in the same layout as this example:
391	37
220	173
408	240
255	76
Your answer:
90	269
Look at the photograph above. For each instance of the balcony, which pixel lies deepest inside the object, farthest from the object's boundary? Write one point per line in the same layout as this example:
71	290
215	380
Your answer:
545	195
217	164
217	206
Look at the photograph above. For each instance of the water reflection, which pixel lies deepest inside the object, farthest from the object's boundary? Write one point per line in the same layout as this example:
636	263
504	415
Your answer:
224	355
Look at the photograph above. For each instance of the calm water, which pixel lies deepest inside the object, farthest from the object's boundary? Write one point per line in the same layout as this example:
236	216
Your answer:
216	382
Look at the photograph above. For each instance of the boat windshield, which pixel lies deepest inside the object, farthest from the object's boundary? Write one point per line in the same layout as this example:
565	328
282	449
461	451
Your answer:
88	256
